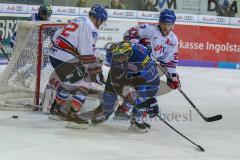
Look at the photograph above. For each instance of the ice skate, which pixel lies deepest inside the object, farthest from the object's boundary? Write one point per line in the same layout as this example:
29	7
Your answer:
75	121
98	115
58	112
138	126
122	113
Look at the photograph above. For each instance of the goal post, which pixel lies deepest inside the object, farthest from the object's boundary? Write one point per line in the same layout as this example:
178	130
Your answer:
27	74
43	27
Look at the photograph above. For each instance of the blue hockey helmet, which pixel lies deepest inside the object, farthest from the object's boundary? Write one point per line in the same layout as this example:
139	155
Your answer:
99	12
226	3
167	15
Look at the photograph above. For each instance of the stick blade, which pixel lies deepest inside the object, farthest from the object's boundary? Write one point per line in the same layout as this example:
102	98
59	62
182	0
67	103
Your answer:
201	148
214	118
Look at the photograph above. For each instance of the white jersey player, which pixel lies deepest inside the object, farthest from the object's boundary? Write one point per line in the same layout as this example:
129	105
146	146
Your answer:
74	62
163	40
164	44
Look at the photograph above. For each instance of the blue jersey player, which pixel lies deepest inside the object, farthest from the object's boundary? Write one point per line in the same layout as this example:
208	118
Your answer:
131	65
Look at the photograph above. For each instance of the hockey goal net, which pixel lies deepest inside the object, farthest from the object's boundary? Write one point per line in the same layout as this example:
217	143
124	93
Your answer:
26	76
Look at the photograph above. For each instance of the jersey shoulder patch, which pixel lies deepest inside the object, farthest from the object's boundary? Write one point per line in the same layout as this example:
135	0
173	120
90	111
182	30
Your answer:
95	35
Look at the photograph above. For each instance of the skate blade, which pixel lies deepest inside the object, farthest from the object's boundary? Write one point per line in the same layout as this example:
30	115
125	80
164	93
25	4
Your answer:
121	118
87	115
135	129
74	125
56	118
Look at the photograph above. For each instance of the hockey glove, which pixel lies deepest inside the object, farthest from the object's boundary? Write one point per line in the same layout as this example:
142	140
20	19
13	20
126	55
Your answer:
96	75
174	83
152	108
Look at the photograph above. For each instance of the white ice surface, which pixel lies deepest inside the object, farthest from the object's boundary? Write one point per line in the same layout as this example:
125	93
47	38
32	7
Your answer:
214	91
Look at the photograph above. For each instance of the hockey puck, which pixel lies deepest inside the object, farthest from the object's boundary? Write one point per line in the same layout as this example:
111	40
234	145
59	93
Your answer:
14	116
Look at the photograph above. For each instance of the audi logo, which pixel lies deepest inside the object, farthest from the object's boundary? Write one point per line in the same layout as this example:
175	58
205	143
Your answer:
72	10
220	20
188	18
156	15
19	8
129	13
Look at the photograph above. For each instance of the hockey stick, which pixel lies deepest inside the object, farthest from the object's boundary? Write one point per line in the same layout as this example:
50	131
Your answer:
2	49
207	119
199	147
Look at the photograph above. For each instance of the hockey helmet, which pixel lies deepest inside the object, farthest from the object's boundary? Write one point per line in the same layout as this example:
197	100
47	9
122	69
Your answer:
122	48
118	50
226	3
45	9
168	16
99	12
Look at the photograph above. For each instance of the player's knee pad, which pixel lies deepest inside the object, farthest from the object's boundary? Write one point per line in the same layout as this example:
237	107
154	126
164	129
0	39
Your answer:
78	100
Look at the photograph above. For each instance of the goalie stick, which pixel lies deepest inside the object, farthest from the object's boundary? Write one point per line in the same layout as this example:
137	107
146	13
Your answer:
2	49
207	119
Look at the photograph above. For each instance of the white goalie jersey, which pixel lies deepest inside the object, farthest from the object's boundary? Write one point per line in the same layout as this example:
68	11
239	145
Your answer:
164	48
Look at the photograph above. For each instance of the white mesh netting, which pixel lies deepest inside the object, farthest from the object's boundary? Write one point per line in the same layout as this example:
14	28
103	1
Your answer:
18	80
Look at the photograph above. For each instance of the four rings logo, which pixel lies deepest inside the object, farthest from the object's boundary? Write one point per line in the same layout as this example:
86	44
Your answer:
129	13
219	19
19	8
156	16
34	9
188	18
71	10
